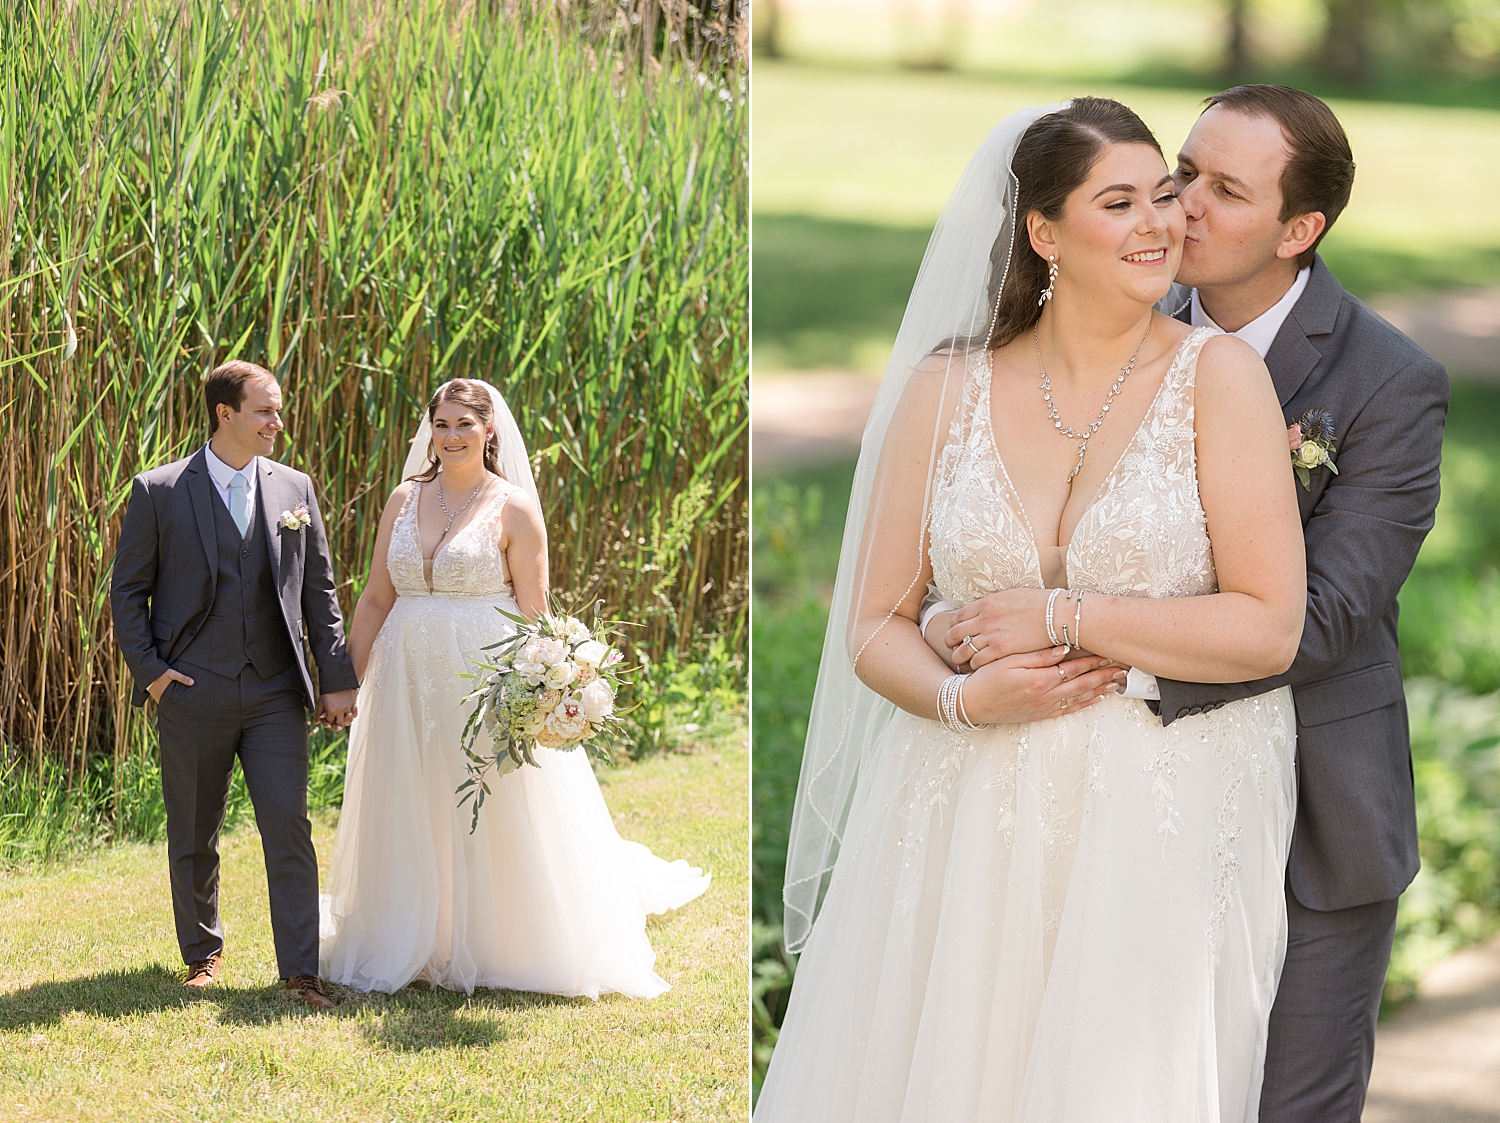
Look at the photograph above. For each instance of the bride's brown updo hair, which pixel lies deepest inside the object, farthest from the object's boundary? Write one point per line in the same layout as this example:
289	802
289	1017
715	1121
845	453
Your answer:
1054	157
472	396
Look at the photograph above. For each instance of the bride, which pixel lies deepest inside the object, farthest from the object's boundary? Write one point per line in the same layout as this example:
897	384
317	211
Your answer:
1017	897
543	895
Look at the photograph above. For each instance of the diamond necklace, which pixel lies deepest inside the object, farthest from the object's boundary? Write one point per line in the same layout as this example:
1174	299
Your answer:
1052	415
453	514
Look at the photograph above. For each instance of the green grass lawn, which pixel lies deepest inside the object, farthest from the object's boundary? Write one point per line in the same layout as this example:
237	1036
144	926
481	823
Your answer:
852	166
94	1023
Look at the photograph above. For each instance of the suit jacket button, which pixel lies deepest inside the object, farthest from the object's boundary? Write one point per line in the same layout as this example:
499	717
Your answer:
1194	711
244	553
1183	712
247	584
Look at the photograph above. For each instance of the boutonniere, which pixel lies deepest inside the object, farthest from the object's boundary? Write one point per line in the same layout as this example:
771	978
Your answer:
1312	444
296	519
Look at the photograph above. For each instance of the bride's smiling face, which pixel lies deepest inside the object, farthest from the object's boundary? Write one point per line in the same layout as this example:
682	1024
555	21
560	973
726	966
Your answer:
1121	231
458	435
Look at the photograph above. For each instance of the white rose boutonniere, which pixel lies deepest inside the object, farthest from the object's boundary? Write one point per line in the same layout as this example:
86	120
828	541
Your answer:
296	519
1312	442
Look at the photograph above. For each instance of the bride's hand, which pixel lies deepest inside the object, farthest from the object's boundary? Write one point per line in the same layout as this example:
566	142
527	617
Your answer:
1002	624
1034	685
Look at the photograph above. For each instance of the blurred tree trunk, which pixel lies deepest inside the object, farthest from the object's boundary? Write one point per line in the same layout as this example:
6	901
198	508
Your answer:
932	34
767	26
1237	62
1346	42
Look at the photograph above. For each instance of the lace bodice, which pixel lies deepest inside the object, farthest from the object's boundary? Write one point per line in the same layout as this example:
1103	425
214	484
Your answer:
469	563
1144	534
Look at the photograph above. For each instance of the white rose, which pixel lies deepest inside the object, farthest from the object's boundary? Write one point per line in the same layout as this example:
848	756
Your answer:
547	700
1310	455
591	653
598	700
560	675
551	651
586	675
534	724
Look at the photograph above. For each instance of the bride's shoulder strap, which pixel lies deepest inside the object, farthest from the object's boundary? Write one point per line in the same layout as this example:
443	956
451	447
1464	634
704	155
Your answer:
1185	366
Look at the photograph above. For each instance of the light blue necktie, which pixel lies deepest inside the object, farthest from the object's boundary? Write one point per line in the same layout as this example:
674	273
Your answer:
239	502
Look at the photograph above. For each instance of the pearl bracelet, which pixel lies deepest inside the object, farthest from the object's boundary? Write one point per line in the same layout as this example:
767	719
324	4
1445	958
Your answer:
951	707
1051	631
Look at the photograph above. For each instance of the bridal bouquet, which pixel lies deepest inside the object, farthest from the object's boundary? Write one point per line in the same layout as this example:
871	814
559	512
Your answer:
552	683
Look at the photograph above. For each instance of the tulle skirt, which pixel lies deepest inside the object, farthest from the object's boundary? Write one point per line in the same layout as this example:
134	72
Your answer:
1076	920
543	896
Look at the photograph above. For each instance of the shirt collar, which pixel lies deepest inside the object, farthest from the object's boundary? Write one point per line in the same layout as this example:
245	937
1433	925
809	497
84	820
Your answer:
223	473
1260	332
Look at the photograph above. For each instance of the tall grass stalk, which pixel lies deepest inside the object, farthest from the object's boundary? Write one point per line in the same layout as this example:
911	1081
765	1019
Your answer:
368	198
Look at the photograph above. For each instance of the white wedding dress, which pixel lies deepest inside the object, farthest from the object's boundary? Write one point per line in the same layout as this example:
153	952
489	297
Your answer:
1078	920
544	895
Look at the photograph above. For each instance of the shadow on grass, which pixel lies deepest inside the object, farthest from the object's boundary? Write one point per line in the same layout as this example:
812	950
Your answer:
415	1019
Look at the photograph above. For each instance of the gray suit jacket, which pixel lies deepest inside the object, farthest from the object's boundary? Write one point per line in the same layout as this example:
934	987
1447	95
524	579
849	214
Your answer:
165	570
1355	839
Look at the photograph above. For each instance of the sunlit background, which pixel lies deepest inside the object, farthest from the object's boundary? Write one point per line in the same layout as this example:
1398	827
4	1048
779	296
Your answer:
863	116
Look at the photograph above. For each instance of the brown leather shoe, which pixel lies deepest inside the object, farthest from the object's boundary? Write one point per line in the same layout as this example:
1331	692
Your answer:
310	989
204	972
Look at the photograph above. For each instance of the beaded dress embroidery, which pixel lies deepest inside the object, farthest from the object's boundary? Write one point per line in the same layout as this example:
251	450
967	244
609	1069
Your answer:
544	895
1075	919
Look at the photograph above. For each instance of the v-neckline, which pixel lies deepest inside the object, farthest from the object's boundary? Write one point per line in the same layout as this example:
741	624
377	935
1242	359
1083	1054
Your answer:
1099	493
429	565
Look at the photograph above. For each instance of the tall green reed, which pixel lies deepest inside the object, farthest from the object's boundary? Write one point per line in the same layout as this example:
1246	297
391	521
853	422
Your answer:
368	198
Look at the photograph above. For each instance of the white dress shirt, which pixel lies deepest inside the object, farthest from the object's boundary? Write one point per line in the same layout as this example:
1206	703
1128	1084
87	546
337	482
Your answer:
222	473
1260	333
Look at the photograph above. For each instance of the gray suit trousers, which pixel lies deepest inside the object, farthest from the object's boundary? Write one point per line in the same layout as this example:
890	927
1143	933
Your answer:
1322	1039
203	728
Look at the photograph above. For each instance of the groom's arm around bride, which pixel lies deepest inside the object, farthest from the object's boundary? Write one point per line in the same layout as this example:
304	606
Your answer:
222	582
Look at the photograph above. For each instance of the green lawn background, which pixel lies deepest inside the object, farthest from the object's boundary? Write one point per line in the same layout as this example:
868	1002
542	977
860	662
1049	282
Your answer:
95	1024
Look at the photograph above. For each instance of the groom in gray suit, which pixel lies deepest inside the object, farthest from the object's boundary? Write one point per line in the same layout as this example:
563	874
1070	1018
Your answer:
1263	174
222	581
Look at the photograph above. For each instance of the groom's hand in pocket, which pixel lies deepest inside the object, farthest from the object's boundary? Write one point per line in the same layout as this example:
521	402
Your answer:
159	687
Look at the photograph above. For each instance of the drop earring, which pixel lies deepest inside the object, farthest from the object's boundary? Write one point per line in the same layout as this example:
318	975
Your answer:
1051	281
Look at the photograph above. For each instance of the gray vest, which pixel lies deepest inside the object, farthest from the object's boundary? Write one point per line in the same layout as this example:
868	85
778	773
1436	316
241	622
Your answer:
244	622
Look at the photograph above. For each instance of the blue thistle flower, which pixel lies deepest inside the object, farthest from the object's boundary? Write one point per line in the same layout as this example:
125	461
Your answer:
1317	425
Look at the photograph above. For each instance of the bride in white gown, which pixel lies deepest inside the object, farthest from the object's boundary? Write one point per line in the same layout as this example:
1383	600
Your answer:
544	895
1018	897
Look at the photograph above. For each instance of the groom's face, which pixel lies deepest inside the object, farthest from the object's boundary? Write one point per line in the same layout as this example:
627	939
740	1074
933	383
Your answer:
1228	178
251	430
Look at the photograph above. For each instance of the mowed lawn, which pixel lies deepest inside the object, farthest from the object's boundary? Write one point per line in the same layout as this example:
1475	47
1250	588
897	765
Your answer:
94	1023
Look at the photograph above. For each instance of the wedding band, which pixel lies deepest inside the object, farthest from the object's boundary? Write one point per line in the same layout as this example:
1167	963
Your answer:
1063	705
1061	671
969	642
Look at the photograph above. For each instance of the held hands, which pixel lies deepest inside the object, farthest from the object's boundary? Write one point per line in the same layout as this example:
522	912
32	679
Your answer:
1034	685
159	687
336	710
1000	625
1037	682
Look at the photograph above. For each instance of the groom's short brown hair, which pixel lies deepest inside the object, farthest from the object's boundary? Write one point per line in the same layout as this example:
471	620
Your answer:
226	384
1320	173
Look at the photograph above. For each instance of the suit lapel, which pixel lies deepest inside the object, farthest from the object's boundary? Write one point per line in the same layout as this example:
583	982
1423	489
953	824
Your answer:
1293	354
200	487
267	480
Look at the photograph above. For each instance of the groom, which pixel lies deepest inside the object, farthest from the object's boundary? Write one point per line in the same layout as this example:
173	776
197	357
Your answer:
1262	176
221	575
